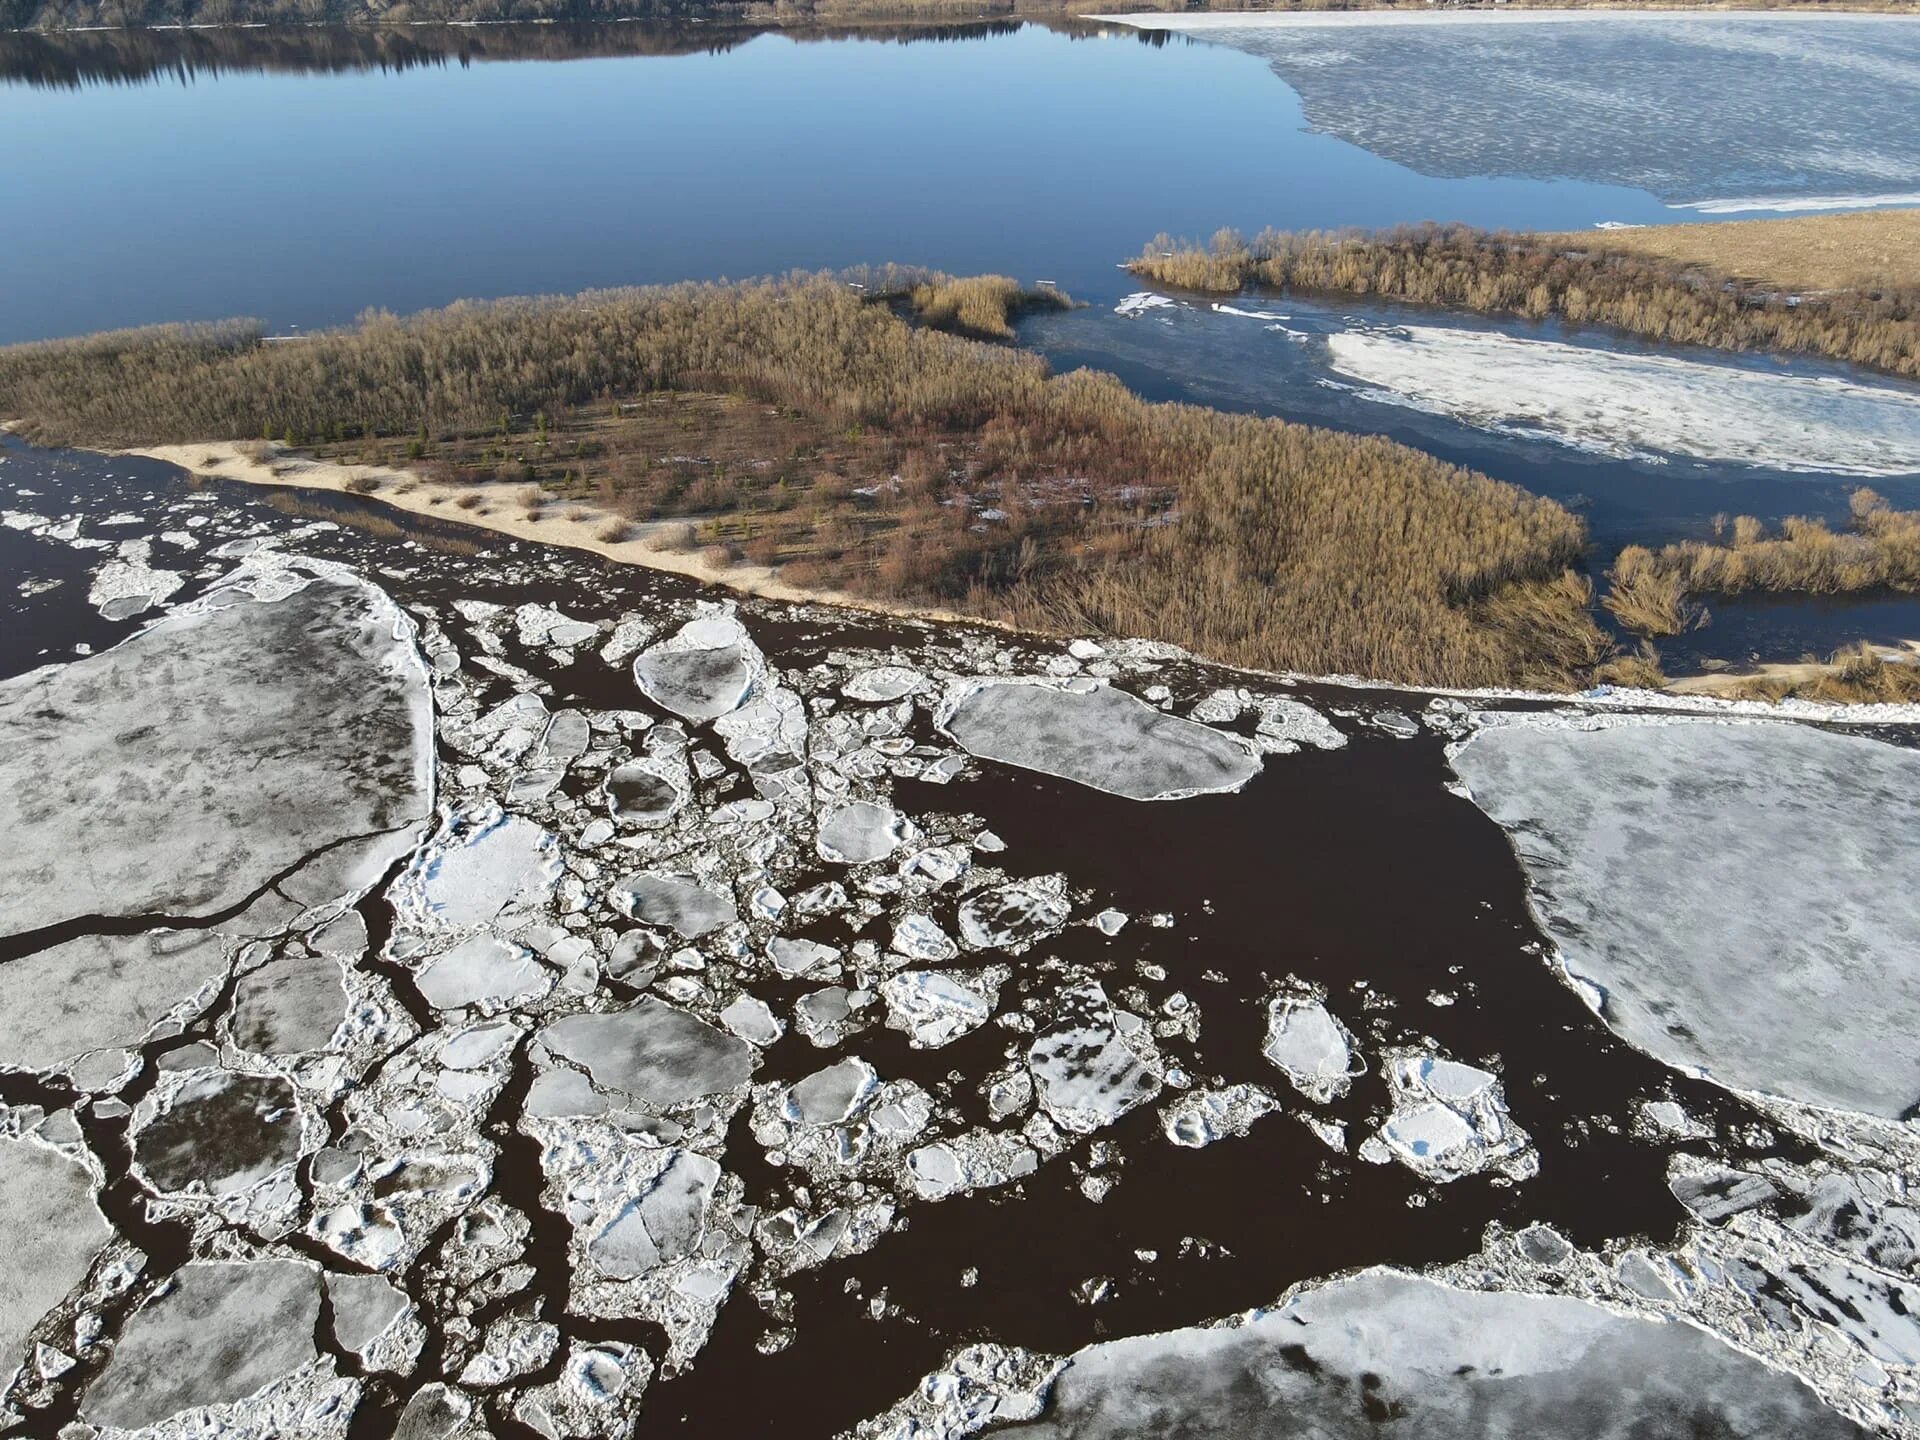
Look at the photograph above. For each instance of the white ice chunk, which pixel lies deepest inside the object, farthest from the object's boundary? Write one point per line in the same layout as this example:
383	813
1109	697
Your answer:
1099	736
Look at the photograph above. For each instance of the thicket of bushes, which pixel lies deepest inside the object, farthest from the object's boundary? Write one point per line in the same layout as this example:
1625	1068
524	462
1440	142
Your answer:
1531	276
1054	501
1652	591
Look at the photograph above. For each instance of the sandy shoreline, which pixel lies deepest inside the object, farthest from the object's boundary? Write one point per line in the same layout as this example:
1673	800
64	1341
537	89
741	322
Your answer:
574	524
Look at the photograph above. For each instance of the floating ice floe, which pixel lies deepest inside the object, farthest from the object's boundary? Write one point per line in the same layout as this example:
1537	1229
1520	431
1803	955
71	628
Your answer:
1386	1349
1314	1050
368	1310
1722	894
129	585
483	971
646	792
687	909
131	985
47	1209
710	666
1014	917
217	1332
217	1132
1141	301
1094	1064
1096	736
976	1160
1201	1117
882	684
291	1005
1449	1120
936	1007
654	1052
481	864
236	743
862	833
1629	404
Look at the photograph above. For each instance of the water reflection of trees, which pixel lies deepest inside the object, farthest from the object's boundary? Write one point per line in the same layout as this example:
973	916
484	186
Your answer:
72	59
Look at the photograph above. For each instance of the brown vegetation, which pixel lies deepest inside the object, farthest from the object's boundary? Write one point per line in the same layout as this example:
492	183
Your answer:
1865	250
1597	279
810	427
1650	589
982	306
1855	676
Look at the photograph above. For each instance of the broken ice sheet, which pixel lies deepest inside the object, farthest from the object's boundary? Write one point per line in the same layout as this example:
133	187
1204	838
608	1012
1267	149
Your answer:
234	742
104	990
1449	1120
1096	736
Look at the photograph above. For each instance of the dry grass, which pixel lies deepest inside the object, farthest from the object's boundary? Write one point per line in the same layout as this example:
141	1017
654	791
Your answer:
801	425
1596	279
982	306
1868	250
1651	590
1646	596
1637	670
1854	676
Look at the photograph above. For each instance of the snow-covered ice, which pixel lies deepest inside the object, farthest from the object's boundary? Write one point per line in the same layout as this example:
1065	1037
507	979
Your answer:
218	1332
1099	736
1731	890
53	1231
236	742
1384	1349
1629	403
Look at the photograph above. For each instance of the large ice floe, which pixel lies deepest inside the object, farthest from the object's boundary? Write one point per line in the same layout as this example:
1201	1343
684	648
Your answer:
275	733
1635	404
1385	1352
1098	736
1732	898
47	1208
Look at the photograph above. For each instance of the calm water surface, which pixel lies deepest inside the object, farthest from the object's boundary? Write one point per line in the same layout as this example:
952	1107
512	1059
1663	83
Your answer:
304	198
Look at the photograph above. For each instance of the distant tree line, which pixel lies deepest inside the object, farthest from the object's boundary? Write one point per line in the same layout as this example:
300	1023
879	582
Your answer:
1535	277
1060	502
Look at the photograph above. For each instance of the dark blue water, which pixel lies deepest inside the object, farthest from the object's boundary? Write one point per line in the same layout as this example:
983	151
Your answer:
305	198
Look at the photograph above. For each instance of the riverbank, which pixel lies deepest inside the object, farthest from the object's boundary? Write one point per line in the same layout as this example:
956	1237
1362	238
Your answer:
573	524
